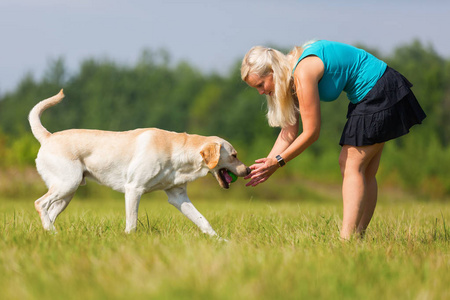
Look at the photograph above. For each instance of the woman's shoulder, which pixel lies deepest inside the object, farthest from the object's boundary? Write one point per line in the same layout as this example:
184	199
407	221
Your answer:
311	67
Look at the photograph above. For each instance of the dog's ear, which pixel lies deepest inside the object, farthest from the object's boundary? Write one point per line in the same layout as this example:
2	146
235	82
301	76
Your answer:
211	154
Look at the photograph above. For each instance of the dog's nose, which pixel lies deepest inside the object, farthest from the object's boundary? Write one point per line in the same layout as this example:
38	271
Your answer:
248	170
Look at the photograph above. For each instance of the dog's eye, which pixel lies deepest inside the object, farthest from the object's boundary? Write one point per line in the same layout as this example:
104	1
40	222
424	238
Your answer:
234	155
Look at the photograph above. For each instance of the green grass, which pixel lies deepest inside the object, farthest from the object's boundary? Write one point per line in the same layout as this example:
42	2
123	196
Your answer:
276	250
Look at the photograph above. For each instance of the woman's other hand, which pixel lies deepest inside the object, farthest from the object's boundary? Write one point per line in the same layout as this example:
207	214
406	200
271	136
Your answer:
261	170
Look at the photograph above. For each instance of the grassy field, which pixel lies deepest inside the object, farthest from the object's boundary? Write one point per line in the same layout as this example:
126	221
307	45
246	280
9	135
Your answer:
277	250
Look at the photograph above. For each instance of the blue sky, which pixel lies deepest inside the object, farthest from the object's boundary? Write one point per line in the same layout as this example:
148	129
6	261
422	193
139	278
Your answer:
210	34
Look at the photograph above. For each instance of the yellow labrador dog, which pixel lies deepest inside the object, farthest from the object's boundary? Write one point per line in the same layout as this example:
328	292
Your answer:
132	162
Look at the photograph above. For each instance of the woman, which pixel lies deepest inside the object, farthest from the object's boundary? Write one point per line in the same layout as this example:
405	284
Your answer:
382	107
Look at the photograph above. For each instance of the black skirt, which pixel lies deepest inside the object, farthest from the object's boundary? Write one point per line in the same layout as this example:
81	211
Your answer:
387	112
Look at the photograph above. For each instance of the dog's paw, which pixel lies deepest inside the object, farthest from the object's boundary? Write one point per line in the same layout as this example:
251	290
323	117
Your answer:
50	228
52	231
220	239
130	231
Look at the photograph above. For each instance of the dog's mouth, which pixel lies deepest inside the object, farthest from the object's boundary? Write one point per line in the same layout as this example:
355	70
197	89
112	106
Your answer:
224	178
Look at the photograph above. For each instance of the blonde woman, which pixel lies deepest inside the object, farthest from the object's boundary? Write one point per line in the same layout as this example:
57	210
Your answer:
382	107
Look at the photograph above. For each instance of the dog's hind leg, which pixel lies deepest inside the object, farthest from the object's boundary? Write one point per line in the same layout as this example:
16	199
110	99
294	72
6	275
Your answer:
50	206
178	197
42	205
132	199
63	179
58	207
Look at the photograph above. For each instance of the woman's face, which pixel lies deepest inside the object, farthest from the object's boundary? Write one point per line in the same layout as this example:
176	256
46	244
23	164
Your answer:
264	85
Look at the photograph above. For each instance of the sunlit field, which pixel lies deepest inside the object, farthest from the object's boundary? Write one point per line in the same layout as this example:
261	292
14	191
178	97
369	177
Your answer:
284	249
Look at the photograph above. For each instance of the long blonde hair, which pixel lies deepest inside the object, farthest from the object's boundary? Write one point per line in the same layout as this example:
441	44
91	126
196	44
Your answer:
262	61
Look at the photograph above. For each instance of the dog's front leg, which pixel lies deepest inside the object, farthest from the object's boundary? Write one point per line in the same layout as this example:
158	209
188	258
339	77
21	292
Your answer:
132	199
178	198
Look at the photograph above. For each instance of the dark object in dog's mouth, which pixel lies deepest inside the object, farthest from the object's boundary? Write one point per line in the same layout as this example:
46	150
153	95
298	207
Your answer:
225	177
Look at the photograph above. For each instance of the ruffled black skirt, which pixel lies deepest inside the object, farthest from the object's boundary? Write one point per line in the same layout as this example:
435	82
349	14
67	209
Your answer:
387	112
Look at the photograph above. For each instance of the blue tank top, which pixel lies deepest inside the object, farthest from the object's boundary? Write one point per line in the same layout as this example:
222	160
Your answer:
347	69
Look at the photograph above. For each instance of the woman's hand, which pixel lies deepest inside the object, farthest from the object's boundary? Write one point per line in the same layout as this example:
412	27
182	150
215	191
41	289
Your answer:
261	171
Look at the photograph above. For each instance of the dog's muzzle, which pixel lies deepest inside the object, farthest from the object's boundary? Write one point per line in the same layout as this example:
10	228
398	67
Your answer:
248	170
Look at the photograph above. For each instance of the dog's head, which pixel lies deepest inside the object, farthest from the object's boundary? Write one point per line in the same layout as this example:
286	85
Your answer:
220	157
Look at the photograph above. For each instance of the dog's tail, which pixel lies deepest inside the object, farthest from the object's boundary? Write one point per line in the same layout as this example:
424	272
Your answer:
39	131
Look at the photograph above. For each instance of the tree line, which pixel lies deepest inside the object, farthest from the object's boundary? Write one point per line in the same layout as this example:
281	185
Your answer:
155	92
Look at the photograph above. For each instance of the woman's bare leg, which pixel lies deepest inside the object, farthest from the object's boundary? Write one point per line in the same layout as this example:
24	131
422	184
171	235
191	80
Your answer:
372	193
359	188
